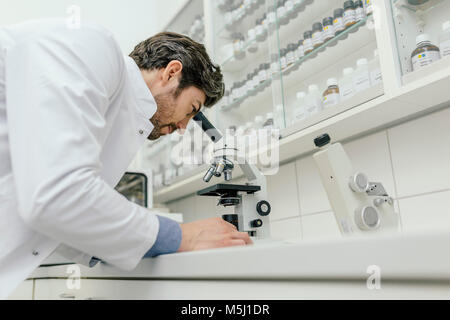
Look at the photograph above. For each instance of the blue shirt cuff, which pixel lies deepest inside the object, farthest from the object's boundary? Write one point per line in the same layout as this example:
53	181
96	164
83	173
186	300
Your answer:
168	239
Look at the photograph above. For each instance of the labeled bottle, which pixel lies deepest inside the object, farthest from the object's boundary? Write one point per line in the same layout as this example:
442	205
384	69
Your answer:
359	10
361	76
290	56
313	100
258	123
317	38
275	65
375	70
238	46
300	107
307	42
346	84
252	45
261	32
283	58
300	50
328	29
425	52
368	7
281	13
444	39
338	21
270	122
331	95
349	13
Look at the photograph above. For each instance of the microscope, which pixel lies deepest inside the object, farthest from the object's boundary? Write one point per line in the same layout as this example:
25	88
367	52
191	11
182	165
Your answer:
361	207
251	208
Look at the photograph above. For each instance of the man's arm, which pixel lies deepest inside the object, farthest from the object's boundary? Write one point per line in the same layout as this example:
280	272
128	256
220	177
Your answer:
58	90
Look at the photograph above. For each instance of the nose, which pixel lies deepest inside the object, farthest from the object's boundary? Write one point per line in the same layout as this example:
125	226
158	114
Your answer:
181	126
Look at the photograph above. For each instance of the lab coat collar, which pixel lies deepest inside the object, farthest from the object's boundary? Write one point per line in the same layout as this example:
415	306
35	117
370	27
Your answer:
144	99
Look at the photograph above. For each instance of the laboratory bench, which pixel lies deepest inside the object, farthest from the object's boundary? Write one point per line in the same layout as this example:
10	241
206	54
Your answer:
406	266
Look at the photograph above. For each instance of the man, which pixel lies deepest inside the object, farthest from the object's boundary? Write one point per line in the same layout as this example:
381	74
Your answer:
73	113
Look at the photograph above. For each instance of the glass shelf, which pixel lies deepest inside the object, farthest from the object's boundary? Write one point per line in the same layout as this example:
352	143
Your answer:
234	18
423	8
293	67
270	30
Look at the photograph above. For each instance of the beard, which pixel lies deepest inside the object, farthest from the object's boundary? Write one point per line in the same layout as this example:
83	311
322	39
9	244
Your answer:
165	109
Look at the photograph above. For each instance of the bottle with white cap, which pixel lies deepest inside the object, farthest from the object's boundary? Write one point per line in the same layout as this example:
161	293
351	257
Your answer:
425	52
313	100
331	96
258	123
375	69
361	76
444	39
346	84
300	108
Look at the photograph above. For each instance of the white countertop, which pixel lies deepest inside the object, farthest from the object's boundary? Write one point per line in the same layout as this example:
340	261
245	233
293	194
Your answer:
400	257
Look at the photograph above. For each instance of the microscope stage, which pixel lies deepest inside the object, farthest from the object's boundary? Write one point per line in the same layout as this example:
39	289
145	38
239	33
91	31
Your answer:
227	189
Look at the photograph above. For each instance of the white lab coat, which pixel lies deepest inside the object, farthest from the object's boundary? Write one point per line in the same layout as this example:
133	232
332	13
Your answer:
73	113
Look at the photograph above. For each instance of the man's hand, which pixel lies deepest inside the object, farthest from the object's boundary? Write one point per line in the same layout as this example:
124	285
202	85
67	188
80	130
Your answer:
211	233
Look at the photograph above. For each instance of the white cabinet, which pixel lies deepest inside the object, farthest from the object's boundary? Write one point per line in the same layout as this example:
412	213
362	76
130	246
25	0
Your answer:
23	292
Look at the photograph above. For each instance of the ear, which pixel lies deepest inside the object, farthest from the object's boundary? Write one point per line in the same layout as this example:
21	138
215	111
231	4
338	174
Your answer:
172	71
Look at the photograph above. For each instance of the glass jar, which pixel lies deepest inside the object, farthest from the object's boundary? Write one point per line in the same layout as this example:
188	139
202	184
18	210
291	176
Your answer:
359	10
290	57
349	13
328	29
338	22
317	38
425	52
307	42
331	95
300	50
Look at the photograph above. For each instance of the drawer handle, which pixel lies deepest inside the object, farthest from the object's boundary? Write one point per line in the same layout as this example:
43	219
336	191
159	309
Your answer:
66	296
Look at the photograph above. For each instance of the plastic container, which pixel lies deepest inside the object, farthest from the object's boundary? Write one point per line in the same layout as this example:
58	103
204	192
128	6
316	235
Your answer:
331	95
328	29
313	100
317	37
349	13
375	69
270	122
299	113
425	52
444	39
346	84
361	76
338	21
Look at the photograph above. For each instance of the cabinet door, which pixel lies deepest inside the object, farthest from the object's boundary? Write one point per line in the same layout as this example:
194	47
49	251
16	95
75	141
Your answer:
422	30
23	292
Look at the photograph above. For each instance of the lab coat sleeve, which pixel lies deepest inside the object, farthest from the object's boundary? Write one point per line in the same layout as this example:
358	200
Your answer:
58	88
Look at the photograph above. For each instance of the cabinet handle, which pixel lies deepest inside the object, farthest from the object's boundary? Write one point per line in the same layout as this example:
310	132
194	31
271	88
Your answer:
66	296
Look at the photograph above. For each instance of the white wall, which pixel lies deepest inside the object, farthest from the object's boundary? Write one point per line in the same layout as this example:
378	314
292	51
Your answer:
412	160
166	10
130	21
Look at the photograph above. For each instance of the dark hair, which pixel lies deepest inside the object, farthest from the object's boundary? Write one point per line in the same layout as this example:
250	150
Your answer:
198	70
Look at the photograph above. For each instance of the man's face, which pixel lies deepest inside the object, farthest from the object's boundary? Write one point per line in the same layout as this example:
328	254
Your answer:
174	107
174	112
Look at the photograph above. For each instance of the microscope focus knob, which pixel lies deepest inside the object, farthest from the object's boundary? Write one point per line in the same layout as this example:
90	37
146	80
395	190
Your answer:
256	223
263	208
359	182
367	218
